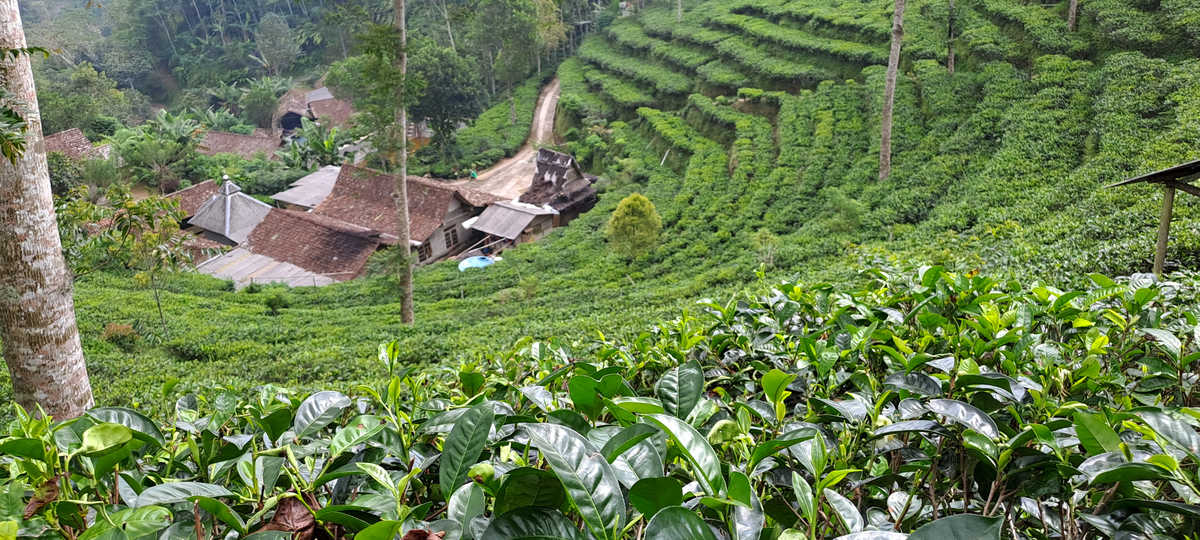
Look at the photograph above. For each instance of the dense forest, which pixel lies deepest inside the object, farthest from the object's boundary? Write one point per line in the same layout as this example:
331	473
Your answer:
855	272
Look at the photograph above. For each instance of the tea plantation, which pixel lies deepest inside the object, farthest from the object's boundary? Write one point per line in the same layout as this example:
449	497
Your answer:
945	359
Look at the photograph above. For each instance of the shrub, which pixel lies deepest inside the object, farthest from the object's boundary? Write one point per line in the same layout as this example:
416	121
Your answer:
275	302
121	335
634	227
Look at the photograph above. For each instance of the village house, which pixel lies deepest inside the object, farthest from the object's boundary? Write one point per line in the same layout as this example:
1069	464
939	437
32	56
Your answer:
437	210
558	193
306	193
320	105
75	145
247	146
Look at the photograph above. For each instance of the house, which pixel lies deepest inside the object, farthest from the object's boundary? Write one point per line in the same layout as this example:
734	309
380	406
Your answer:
298	249
230	215
559	183
75	145
437	210
559	192
246	146
190	199
308	192
293	107
327	109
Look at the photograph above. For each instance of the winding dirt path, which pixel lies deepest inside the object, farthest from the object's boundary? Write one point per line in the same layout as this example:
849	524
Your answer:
511	176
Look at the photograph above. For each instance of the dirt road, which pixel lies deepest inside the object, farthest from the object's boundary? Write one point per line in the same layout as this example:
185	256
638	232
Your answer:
511	177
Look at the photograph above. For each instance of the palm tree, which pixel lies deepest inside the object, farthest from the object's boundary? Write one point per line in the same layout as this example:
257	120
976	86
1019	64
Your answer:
889	92
37	311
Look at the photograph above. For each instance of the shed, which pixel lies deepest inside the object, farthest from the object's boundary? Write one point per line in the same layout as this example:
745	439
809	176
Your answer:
311	190
1172	178
515	221
292	108
230	214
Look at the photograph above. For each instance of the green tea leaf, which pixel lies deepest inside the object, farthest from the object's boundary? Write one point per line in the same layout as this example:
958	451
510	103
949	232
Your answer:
318	411
463	446
358	431
532	523
649	495
960	527
174	492
677	522
589	479
101	437
526	486
680	389
696	450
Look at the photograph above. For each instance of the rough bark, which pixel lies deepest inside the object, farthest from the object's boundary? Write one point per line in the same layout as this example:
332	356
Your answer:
889	93
37	311
1072	15
679	10
405	272
950	39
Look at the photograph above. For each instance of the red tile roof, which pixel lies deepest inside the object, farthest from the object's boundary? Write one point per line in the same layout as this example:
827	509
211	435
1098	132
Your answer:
72	143
315	243
247	146
332	112
364	197
191	198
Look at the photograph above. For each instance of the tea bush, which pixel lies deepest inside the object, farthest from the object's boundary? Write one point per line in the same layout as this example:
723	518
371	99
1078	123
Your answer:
920	405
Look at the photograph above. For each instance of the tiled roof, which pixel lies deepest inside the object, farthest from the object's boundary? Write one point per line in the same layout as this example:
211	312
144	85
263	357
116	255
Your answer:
364	197
190	199
315	243
72	143
332	112
247	146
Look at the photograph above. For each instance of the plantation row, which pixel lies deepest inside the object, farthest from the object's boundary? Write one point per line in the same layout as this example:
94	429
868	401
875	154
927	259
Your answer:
922	406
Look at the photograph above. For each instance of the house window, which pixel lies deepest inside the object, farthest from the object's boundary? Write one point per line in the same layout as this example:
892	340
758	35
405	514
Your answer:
424	252
451	236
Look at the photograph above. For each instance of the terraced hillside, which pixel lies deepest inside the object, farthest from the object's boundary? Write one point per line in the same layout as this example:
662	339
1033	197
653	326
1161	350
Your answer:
1002	161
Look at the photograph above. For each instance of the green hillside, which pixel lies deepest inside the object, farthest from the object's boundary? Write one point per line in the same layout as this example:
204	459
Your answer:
753	127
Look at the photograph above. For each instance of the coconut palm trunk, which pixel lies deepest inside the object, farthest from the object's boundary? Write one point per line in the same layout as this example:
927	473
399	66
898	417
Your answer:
889	92
401	195
37	311
1072	15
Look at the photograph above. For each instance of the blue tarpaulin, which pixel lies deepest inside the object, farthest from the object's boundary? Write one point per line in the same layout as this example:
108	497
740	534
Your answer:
475	262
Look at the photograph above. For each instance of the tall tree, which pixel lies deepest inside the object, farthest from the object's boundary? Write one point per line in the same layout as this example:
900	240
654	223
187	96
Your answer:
950	37
459	93
405	273
277	44
37	310
1072	14
889	92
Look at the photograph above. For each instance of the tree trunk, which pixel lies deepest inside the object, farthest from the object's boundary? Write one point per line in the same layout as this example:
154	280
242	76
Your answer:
446	17
889	93
406	271
678	10
37	311
950	39
1072	14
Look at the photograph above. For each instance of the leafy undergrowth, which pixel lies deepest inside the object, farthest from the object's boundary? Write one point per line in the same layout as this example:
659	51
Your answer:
926	406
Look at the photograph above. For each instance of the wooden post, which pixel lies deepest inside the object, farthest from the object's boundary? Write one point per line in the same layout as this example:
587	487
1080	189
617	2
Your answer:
1164	227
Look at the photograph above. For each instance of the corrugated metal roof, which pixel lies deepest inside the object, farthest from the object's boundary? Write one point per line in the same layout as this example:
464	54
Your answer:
231	213
319	94
312	189
507	219
244	268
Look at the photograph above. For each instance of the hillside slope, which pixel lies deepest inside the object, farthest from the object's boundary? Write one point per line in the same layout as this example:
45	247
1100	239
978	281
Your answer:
753	127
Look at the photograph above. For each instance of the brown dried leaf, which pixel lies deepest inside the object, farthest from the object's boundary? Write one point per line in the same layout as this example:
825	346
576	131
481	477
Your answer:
423	534
46	494
292	516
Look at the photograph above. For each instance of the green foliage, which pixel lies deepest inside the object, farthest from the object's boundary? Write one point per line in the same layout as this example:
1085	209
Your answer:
65	173
453	93
259	100
659	77
986	400
278	45
634	227
81	97
315	146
